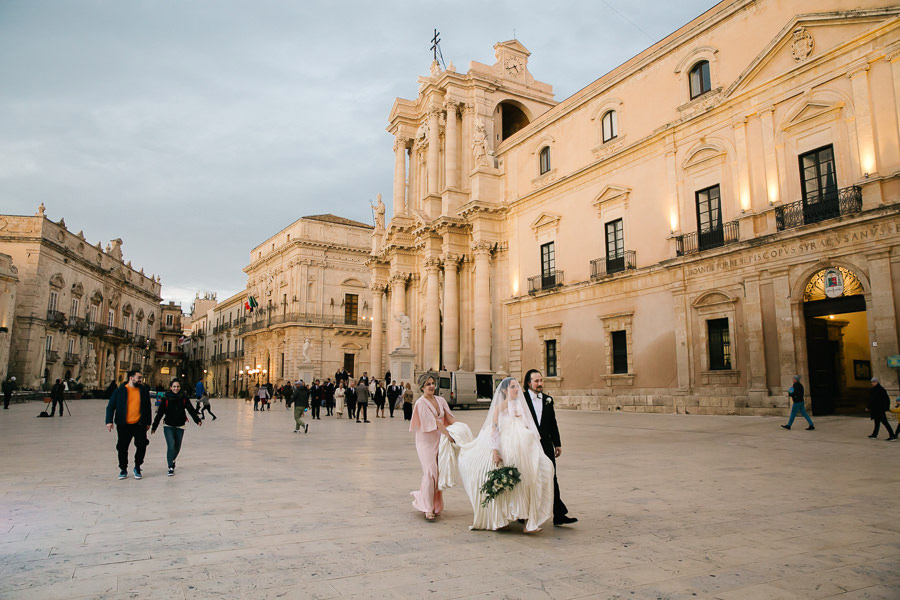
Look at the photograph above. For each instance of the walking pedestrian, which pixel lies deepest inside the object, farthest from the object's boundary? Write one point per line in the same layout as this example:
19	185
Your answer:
879	404
350	399
379	398
407	402
57	396
205	407
362	401
287	391
261	396
393	394
795	392
199	392
9	386
339	393
129	409
300	400
328	393
171	411
315	399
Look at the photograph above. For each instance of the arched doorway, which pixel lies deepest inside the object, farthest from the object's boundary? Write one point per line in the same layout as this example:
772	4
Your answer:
837	342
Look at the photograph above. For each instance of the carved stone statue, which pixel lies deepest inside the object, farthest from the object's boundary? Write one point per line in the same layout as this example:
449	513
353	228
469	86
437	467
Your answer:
479	144
306	345
110	367
379	213
405	327
89	370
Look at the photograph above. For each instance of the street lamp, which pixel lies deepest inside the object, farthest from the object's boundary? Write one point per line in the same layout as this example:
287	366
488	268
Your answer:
242	382
258	367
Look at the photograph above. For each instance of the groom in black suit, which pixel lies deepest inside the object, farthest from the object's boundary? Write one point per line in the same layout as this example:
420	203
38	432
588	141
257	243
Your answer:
545	418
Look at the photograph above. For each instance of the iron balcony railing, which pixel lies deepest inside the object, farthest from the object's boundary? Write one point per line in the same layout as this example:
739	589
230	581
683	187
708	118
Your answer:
71	358
56	317
832	204
52	356
546	281
601	267
79	325
698	241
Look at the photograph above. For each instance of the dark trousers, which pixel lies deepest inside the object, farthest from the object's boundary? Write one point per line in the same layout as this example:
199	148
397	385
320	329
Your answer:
174	436
351	408
880	418
6	398
391	404
364	408
206	408
138	433
407	411
559	507
53	407
316	408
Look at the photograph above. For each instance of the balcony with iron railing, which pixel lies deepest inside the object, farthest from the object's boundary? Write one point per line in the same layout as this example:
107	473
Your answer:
71	358
52	356
544	282
832	204
79	325
706	239
56	318
601	267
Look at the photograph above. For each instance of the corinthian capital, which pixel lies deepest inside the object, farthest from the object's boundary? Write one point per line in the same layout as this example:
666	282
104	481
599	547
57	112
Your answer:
483	248
401	143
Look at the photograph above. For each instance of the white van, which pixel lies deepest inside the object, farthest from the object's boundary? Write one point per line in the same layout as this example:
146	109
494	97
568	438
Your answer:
464	389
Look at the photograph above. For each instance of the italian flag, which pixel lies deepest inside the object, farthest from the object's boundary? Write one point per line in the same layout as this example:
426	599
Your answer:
250	303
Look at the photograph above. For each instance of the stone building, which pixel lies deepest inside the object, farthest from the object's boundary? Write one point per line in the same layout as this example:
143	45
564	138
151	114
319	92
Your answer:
81	311
226	375
8	281
314	303
197	343
685	233
169	356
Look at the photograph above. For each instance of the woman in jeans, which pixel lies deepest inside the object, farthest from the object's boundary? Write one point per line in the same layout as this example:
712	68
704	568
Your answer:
172	408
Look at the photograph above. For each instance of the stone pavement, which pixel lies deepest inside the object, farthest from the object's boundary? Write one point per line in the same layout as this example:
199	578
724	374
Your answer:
670	506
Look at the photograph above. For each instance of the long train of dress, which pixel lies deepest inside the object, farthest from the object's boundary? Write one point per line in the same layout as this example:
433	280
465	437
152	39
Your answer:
468	463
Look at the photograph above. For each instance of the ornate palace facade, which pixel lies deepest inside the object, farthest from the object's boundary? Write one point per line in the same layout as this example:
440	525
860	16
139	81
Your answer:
688	231
81	312
309	281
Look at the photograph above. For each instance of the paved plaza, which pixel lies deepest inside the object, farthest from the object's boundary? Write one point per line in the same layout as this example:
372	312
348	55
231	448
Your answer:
670	506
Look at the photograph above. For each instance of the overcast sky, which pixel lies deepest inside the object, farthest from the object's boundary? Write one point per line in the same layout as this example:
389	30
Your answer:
194	130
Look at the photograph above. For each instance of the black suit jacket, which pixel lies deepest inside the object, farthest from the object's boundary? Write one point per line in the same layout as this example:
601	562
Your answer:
547	428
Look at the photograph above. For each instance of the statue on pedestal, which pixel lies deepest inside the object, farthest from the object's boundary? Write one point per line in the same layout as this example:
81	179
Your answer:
479	145
405	327
379	213
306	345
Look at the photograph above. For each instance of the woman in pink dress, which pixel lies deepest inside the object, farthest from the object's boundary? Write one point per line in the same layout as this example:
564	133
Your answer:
430	419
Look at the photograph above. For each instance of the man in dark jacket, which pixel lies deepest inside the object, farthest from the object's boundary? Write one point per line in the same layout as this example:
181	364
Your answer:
129	410
795	392
300	400
57	395
393	392
9	386
541	407
879	403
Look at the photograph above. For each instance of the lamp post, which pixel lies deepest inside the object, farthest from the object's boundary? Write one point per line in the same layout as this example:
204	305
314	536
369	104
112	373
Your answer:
258	368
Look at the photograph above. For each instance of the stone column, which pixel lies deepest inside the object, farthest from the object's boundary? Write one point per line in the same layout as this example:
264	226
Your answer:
739	125
468	126
451	146
451	313
865	136
398	305
400	144
412	189
434	150
432	346
756	366
482	251
773	193
377	350
787	355
882	320
894	58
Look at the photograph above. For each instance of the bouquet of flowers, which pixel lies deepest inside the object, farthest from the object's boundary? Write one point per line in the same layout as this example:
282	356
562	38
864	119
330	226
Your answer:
498	481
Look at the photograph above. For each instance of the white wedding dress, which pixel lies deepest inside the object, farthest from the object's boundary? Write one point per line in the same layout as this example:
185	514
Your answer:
517	440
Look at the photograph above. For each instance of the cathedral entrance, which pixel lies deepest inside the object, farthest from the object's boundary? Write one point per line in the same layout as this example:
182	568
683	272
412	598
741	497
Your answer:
837	342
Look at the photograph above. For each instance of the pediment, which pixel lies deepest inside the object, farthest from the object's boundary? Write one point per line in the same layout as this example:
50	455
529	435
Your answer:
805	40
353	282
612	192
77	290
57	281
713	298
810	110
703	154
545	221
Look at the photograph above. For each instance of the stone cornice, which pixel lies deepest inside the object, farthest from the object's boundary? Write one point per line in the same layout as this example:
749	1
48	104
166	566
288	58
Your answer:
483	209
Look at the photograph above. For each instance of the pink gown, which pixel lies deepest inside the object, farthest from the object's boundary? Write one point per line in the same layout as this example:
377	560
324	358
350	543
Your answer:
428	497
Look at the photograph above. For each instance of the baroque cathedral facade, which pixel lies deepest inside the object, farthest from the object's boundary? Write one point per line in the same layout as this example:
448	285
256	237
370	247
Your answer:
685	233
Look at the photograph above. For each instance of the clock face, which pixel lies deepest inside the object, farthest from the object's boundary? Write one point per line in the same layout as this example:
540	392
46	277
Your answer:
514	65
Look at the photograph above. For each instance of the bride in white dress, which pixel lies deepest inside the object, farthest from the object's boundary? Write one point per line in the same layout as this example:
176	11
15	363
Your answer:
507	438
